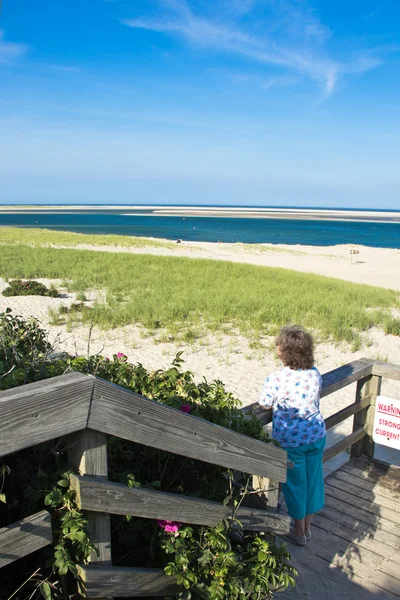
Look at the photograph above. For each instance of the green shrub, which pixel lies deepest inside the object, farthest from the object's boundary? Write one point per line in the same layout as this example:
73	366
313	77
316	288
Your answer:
24	350
30	288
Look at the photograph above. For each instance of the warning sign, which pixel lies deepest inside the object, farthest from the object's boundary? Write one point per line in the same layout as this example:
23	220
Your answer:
387	422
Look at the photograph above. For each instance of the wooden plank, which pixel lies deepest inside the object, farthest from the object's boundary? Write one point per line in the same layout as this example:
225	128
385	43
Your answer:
38	412
115	498
364	518
347	412
87	453
269	492
348	552
272	496
312	584
391	567
125	582
332	381
354	500
354	537
340	554
386	485
375	386
265	415
329	582
362	392
344	444
386	370
346	481
367	387
88	456
334	553
360	528
341	377
376	468
358	538
124	414
24	537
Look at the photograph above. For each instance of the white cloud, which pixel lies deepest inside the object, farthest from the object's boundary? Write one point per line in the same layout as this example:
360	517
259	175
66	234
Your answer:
291	36
9	51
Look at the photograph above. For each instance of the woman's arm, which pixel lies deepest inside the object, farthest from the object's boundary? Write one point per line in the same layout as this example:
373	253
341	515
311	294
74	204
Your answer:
267	397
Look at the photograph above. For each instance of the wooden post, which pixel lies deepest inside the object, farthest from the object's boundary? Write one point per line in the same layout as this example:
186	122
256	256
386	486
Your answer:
374	390
367	388
267	498
88	456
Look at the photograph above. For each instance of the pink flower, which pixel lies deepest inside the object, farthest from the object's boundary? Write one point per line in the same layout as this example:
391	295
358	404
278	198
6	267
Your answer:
121	355
186	408
169	526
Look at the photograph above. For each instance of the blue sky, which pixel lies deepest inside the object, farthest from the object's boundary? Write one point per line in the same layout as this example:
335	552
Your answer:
258	102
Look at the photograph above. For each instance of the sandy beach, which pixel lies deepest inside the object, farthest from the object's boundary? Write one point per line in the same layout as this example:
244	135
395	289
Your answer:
229	357
216	211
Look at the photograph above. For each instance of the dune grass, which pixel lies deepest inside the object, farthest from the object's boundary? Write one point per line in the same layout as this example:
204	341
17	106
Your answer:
188	296
37	238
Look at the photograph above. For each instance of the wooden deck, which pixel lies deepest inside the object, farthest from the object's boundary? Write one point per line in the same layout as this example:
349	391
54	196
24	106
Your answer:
355	550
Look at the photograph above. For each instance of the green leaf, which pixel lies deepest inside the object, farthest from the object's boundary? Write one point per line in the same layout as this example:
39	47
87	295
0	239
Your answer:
3	498
45	590
63	569
63	483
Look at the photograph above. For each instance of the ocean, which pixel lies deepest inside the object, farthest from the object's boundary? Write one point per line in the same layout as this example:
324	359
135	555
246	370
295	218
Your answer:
313	232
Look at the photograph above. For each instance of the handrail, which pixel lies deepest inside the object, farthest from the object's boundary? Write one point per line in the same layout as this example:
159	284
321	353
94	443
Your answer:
28	417
39	412
332	381
120	412
385	369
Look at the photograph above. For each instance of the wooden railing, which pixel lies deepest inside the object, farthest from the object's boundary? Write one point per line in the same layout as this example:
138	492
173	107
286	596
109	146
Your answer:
89	408
368	375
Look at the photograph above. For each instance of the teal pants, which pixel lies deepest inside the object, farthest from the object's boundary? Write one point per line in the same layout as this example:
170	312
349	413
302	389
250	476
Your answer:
304	488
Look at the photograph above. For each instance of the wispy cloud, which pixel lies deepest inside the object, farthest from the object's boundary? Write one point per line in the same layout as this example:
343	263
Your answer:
372	13
289	36
10	51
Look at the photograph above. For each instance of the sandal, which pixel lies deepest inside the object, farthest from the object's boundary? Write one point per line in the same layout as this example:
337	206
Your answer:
299	540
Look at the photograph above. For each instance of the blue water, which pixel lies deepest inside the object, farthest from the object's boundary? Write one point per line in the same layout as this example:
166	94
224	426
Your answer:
214	229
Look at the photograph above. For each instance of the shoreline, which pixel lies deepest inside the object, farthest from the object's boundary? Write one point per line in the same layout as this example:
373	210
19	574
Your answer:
389	216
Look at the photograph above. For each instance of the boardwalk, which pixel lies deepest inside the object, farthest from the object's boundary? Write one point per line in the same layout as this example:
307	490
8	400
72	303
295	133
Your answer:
355	550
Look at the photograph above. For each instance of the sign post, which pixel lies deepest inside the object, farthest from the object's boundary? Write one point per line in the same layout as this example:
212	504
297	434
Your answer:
352	253
387	422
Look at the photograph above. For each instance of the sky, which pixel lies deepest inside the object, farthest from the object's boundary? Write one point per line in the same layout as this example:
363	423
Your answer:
249	102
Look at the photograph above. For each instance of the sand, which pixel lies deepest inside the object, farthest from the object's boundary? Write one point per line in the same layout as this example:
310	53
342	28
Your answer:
229	357
218	211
